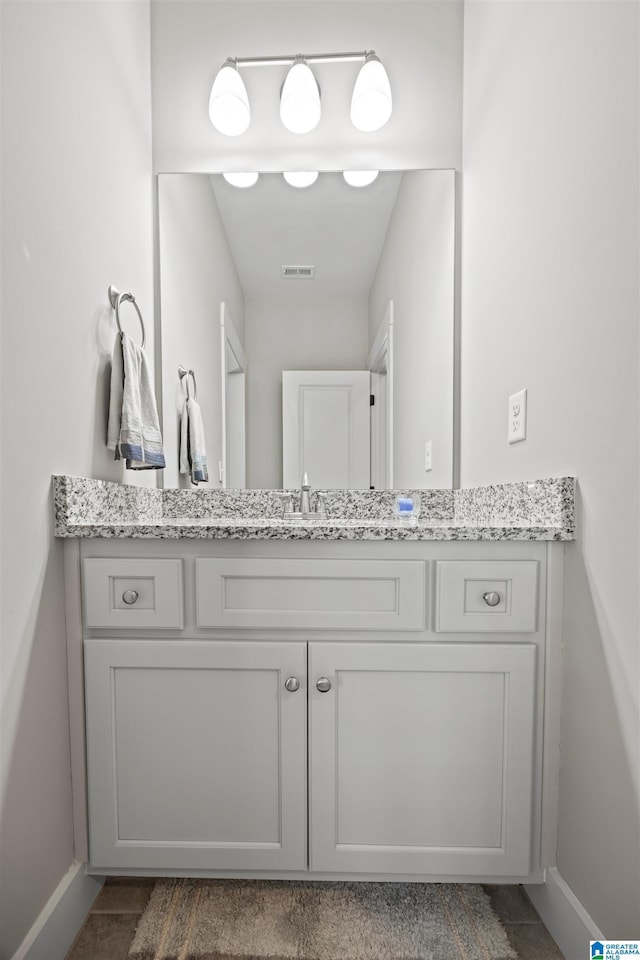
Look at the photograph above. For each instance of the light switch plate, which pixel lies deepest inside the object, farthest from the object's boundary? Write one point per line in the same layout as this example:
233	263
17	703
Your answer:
517	416
427	456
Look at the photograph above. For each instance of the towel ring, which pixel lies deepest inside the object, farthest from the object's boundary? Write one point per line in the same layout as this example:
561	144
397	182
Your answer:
116	298
182	373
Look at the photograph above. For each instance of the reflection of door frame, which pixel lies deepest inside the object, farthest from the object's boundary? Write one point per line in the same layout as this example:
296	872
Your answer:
233	367
381	367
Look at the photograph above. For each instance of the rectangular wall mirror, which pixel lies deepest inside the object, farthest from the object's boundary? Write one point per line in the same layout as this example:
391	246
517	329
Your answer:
333	285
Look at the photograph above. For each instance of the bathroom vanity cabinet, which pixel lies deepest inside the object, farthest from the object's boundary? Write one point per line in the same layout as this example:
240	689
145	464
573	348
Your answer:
320	709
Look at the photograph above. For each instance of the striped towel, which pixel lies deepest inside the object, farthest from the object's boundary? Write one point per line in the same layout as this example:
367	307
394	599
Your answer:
193	458
133	431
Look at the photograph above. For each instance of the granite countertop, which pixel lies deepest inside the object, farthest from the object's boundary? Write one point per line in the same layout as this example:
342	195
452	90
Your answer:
536	510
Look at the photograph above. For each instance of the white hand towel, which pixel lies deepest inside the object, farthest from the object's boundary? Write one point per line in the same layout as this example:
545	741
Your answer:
193	457
133	430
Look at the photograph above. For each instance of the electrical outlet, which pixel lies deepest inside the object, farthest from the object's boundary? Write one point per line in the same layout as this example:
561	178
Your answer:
427	456
517	416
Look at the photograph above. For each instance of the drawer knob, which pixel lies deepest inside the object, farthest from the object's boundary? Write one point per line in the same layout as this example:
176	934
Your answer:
491	598
323	685
292	684
129	597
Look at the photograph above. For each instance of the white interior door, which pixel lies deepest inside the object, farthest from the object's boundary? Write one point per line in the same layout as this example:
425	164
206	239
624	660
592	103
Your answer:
325	428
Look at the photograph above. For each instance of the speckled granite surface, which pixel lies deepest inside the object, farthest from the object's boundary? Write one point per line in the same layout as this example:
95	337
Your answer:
540	503
369	505
539	510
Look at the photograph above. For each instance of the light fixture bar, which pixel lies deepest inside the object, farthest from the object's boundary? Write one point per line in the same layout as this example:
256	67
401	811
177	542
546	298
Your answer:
300	106
287	59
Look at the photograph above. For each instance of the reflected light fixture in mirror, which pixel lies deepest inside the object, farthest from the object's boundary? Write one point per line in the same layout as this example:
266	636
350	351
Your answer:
371	103
359	178
300	108
241	179
300	178
229	104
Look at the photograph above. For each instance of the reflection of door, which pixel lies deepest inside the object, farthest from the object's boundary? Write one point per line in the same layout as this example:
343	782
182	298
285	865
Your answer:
381	367
325	428
233	405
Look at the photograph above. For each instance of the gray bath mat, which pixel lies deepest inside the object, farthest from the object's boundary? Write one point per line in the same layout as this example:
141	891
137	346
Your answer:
288	920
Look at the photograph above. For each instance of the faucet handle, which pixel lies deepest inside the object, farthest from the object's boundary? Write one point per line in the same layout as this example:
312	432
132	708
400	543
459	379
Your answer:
287	501
321	504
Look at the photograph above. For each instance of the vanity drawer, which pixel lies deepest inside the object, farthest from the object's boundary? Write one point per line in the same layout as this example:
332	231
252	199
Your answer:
311	594
486	596
143	594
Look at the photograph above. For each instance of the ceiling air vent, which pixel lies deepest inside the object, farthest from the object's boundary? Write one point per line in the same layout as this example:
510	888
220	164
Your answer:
297	273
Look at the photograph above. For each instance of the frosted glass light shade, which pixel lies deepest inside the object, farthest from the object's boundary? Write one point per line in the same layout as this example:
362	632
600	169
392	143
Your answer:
371	102
300	178
241	178
300	99
229	104
359	178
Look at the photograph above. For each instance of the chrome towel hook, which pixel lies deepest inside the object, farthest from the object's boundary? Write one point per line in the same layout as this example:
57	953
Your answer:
189	374
115	299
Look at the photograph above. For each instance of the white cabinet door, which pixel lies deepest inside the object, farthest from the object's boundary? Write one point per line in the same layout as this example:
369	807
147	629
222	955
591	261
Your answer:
421	758
196	754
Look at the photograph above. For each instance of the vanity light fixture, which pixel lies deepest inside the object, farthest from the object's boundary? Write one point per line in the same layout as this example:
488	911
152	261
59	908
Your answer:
300	99
359	178
300	107
300	178
229	110
241	179
371	103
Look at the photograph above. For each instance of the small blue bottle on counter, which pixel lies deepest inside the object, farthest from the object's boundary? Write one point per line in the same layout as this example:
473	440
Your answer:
406	509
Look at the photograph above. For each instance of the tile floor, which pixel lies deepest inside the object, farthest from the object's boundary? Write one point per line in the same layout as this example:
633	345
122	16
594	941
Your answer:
110	926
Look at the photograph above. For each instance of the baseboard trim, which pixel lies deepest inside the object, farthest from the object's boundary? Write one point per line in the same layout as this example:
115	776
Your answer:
564	916
56	928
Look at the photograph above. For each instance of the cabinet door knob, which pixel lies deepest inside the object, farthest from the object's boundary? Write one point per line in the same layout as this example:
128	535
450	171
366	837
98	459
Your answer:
491	598
292	684
130	596
323	685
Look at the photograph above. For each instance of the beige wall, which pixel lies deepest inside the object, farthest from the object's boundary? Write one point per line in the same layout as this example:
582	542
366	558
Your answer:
550	303
197	272
292	334
76	217
416	271
419	42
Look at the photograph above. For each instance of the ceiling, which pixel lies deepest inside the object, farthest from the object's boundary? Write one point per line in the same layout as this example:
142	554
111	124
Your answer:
338	229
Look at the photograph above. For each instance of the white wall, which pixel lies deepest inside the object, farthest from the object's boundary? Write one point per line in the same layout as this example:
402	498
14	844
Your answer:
550	302
416	271
293	335
197	271
420	44
76	216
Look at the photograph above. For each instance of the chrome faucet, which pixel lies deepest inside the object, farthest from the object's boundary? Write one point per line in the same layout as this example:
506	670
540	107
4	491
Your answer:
305	494
304	512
